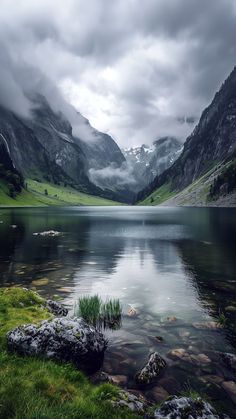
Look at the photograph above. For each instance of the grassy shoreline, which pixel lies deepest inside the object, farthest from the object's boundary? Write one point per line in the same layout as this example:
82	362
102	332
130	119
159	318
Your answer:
41	194
33	388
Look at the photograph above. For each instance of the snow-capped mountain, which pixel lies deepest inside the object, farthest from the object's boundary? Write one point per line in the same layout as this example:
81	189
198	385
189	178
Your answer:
150	161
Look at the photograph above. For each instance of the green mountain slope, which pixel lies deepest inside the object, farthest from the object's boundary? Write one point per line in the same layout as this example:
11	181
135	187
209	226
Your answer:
217	187
43	194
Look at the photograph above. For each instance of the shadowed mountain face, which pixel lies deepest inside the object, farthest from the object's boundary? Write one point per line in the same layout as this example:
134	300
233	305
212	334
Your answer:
44	147
212	142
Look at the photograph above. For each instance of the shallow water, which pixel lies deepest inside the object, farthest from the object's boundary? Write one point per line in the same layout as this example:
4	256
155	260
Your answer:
164	262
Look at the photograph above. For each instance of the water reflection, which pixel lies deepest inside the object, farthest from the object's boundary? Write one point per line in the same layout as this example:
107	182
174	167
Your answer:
164	262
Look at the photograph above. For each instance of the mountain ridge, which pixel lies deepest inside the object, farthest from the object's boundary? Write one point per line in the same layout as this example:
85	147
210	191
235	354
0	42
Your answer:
211	142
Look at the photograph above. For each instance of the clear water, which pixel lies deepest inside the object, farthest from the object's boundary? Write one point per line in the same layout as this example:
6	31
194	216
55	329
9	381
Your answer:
164	262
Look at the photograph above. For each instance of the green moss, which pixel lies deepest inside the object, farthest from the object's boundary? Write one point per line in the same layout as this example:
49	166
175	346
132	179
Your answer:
33	388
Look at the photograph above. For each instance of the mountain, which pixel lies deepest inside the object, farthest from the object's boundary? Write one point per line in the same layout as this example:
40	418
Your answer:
207	154
149	161
44	147
9	176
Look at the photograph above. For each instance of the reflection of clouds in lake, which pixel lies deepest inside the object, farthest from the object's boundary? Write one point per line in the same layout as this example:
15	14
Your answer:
144	278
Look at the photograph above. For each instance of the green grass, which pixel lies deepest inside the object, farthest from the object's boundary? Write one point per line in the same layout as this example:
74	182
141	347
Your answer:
159	195
222	319
57	195
32	388
101	314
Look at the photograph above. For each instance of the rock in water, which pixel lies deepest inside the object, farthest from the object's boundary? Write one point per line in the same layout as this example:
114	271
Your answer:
49	233
149	373
185	407
56	308
229	360
61	339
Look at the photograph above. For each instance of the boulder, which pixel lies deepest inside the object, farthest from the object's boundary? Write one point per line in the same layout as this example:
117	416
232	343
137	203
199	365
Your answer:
229	360
60	339
185	407
150	372
56	308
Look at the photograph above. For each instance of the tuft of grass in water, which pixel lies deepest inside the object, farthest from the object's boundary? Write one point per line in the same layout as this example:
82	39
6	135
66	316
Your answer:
111	312
101	314
33	388
89	308
222	319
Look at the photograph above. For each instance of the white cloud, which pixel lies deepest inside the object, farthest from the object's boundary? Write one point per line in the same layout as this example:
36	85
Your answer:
132	68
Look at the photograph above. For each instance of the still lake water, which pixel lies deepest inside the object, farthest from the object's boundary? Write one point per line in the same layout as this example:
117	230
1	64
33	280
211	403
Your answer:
164	262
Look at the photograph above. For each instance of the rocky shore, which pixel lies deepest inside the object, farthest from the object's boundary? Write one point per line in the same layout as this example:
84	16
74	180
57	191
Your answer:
64	339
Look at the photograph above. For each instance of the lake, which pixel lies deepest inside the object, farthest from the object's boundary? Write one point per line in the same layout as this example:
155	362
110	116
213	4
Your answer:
176	267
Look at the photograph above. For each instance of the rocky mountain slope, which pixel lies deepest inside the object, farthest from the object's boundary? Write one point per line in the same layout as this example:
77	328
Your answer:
212	142
149	161
44	147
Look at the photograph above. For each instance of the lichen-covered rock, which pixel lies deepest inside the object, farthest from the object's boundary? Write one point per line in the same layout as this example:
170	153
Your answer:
56	308
61	339
149	373
185	407
125	399
229	360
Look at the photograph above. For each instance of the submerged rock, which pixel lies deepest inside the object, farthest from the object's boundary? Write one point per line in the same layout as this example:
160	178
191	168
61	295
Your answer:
61	339
56	308
231	309
158	394
149	373
159	339
40	281
118	380
183	355
211	325
50	233
132	312
185	407
171	319
230	388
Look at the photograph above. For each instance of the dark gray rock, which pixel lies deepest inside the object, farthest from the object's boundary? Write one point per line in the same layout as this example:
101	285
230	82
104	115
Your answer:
56	308
60	339
229	360
185	407
149	373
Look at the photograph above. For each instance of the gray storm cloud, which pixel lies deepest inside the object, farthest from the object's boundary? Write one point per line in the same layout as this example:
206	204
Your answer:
19	82
133	68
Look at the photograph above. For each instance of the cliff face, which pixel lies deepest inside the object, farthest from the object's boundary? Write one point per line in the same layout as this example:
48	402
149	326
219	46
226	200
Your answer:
43	147
212	141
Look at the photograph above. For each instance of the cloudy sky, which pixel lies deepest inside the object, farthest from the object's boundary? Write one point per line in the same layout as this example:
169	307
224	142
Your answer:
132	67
